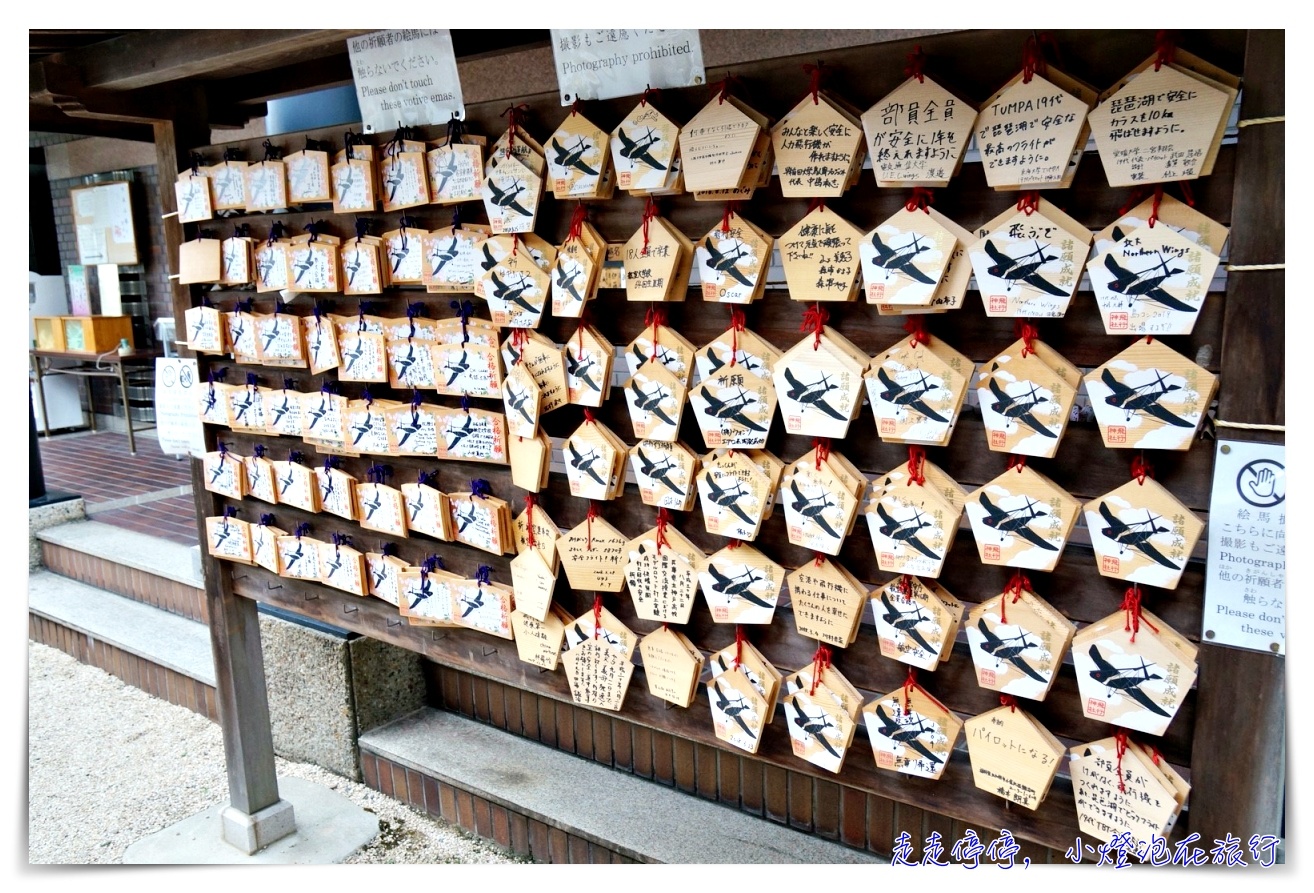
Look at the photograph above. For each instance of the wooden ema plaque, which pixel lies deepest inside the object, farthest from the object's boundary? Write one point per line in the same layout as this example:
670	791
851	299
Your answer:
734	407
916	621
658	260
820	256
1150	397
451	260
764	678
604	627
266	186
270	266
403	256
672	665
663	581
343	568
911	732
1026	401
312	264
575	273
952	290
337	491
363	357
578	155
643	148
324	416
308	178
522	399
229	539
716	144
476	436
1021	519
264	552
588	357
227	185
917	134
531	460
1119	789
1152	282
1017	642
296	485
260	478
741	585
212	404
516	291
1135	684
599	675
593	556
1029	263
757	172
204	329
541	356
427	511
321	340
1028	131
410	364
224	473
536	526
1185	220
665	474
749	351
905	258
353	186
367	431
381	508
819	731
362	266
516	142
739	711
383	581
733	259
511	194
403	179
659	341
533	580
735	495
241	338
481	521
1159	126
827	602
282	411
485	607
298	556
817	144
819	509
819	385
246	408
595	462
424	598
238	258
655	399
413	429
912	527
916	389
456	170
1142	533
467	370
538	642
1013	755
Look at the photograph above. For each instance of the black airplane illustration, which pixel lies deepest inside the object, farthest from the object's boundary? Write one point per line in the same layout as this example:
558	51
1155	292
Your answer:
567	282
353	267
246	401
258	543
906	531
280	411
737	586
741	358
354	355
905	734
636	150
273	333
1144	398
407	429
319	412
303	265
219	469
603	633
1147	285
365	427
1019	408
417	506
440	255
752	677
238	331
726	263
284	483
573	157
814	727
465	520
398	252
187	203
660	473
200	326
585	463
514	293
728	499
1128	681
253	474
732	409
403	364
345	184
444	173
813	395
489	261
1015	270
380	575
372	506
506	198
517	402
264	264
293	557
909	395
1136	534
425	590
211	398
460	432
472	604
813	508
899	261
1017	521
999	648
396	176
335	564
733	709
458	368
652	401
906	622
318	344
667	358
328	488
229	259
578	366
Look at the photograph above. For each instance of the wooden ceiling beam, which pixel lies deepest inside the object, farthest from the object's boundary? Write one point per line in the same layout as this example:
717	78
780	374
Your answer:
49	119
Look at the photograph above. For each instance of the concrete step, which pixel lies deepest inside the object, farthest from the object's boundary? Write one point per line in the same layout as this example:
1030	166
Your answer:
159	652
556	807
143	568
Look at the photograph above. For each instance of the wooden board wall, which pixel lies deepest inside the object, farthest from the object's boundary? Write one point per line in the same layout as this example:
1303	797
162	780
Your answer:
975	64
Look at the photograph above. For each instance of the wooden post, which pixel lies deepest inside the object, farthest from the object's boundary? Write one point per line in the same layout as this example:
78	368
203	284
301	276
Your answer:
256	816
1238	760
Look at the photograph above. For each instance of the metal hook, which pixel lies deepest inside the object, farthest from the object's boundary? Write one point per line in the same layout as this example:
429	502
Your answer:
243	577
488	653
279	586
434	637
346	609
542	670
391	624
309	596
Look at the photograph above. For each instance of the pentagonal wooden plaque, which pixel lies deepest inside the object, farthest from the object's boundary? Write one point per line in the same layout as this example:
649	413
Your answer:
592	554
715	146
1150	397
1029	264
1025	403
1017	642
912	527
604	627
1117	791
655	398
1136	684
667	346
643	148
733	259
577	155
734	494
538	642
1012	756
1142	533
819	510
820	256
917	134
511	194
911	732
588	357
516	291
522	398
1021	519
663	586
670	666
665	474
818	387
740	349
593	463
916	389
815	145
598	674
739	711
905	258
827	606
741	585
656	262
1027	132
819	731
913	625
1186	220
533	581
1152	282
734	407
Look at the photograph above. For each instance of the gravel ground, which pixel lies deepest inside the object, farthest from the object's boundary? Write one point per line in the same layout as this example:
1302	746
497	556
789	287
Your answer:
109	764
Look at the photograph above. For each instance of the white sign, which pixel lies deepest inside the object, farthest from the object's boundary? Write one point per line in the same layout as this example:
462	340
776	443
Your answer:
176	419
1246	582
407	76
602	63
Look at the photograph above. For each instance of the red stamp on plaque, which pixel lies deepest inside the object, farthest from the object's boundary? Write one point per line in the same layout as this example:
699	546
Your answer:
998	438
1110	564
886	560
1118	322
1117	434
887	426
986	677
720	614
884	759
998	303
876	291
991	552
794	423
1096	706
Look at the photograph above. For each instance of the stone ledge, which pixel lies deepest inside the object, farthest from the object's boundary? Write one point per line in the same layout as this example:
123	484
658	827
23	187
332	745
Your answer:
172	561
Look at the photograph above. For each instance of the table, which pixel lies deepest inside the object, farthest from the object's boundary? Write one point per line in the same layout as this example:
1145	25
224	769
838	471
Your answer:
89	366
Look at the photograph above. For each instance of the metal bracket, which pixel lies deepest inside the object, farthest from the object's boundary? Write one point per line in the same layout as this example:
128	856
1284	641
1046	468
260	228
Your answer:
391	623
268	587
309	596
434	637
488	653
347	609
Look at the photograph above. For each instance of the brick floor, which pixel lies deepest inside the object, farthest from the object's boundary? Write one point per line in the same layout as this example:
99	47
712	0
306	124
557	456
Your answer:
172	519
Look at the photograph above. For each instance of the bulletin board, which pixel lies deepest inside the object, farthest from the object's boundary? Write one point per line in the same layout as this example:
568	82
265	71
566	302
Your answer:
102	217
